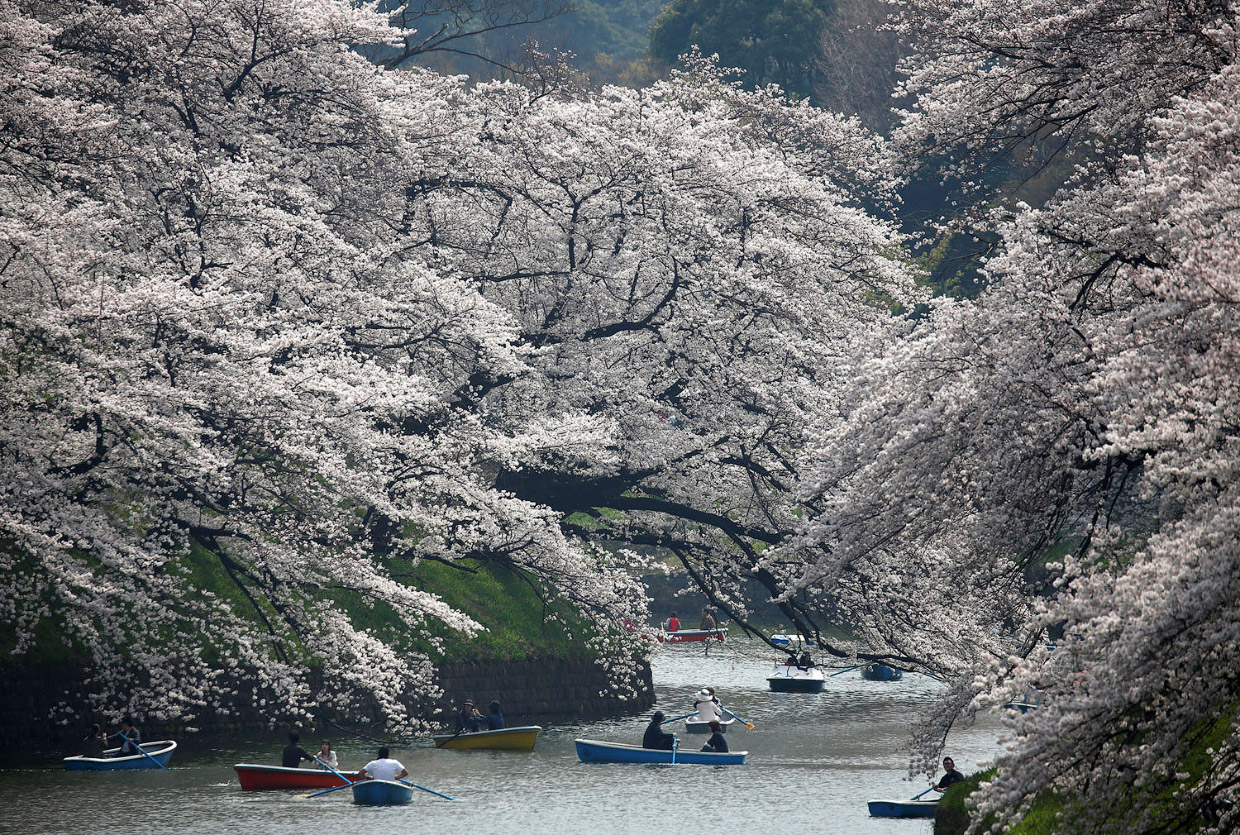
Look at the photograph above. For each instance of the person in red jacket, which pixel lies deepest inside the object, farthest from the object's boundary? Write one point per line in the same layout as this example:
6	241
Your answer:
672	624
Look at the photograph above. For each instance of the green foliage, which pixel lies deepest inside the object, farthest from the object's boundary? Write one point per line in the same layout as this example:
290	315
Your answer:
774	41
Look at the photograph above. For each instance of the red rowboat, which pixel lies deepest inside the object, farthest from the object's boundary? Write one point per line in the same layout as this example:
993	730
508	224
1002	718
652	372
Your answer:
263	777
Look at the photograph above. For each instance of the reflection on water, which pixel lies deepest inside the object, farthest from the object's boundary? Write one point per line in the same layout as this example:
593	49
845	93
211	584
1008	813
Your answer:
815	759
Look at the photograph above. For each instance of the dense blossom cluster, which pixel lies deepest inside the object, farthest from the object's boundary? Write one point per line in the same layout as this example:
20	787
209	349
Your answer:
276	321
1086	406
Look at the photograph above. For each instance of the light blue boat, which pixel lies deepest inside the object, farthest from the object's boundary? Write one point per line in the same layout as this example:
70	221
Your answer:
381	793
903	808
160	751
594	751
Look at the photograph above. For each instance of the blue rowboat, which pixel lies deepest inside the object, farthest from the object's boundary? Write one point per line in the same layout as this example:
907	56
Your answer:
903	808
160	751
594	751
381	793
881	672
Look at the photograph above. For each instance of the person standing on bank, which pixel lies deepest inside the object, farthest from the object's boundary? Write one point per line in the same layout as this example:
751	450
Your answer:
293	752
657	738
384	768
950	776
718	743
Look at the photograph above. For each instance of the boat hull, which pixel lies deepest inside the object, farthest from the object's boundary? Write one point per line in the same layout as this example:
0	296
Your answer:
505	739
381	793
881	672
595	751
694	727
903	808
694	635
274	777
160	750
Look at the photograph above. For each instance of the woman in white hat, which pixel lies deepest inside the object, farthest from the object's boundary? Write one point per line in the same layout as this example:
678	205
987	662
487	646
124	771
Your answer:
707	706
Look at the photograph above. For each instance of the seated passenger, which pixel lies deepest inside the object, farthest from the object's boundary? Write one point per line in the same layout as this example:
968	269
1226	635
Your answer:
494	719
718	743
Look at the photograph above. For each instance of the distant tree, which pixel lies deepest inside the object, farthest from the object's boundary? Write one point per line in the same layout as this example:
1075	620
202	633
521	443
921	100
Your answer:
774	41
855	70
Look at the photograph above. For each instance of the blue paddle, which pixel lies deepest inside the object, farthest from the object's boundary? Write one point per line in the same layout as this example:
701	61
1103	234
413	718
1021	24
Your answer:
333	771
121	734
918	797
846	669
329	791
675	745
748	725
425	789
676	718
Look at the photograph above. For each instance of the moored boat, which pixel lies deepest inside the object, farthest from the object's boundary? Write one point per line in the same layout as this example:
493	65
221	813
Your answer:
789	678
694	635
692	726
504	739
881	672
903	808
790	641
159	751
381	793
595	751
270	777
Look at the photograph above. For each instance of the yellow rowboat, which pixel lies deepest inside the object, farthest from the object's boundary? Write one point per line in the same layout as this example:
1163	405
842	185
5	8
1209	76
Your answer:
505	739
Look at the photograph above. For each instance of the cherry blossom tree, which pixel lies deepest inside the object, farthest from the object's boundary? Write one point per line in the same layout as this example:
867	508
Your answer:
1058	458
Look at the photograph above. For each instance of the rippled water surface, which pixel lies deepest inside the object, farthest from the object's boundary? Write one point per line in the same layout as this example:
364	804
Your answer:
814	761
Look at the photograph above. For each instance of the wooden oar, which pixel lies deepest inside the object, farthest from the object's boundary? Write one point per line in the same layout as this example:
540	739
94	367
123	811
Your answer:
847	669
425	789
137	745
748	725
678	718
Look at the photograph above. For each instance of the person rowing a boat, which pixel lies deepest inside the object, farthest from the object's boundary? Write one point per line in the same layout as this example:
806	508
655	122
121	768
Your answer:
950	776
469	719
293	753
657	738
707	706
327	757
717	744
384	768
129	738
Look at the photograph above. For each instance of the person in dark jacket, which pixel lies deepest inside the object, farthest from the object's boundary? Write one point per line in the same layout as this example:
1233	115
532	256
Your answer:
494	719
468	719
655	737
718	743
294	753
94	743
129	738
950	777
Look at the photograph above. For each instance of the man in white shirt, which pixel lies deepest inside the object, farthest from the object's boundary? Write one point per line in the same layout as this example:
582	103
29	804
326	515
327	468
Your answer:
384	768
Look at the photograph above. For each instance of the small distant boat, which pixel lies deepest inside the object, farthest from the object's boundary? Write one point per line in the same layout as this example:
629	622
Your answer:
504	739
271	777
791	640
903	808
1027	701
788	678
881	672
694	635
381	793
692	726
594	751
160	751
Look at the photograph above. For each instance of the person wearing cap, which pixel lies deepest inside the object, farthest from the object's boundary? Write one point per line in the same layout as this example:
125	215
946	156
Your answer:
707	706
657	738
469	718
717	744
